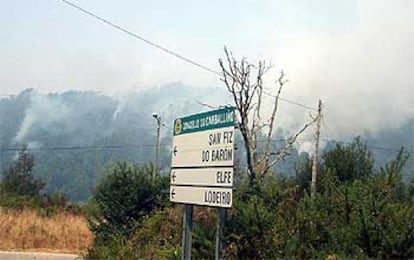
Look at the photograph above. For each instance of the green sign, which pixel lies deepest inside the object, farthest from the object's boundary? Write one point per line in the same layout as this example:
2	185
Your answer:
204	121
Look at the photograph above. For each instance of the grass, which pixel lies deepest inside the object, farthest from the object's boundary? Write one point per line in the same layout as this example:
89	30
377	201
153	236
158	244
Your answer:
26	230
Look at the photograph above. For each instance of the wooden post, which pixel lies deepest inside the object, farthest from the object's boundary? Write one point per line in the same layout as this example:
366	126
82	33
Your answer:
316	151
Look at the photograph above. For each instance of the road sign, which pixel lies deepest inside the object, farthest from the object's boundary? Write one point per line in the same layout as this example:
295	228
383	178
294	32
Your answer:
205	196
204	121
202	166
203	159
204	148
212	176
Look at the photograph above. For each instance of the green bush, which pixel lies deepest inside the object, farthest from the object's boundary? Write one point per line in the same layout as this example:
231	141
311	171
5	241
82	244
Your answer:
358	213
19	180
348	162
11	201
249	232
158	236
120	202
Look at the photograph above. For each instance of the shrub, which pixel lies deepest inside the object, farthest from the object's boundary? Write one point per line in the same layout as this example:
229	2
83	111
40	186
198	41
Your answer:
121	201
19	180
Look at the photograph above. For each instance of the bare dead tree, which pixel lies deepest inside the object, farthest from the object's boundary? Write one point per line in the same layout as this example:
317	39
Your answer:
245	83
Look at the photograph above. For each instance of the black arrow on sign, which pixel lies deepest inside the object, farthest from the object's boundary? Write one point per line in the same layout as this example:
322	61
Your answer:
173	175
172	193
175	150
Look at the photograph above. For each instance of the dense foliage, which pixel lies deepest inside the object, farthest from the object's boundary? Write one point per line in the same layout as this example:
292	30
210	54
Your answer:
21	189
358	212
120	202
19	179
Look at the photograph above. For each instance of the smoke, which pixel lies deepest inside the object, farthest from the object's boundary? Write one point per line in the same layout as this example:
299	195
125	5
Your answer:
42	112
363	73
121	104
306	147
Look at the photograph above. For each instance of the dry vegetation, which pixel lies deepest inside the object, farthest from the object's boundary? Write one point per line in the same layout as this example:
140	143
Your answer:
26	230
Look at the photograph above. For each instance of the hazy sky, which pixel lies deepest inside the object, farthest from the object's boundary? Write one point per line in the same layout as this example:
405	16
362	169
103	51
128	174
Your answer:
51	46
357	55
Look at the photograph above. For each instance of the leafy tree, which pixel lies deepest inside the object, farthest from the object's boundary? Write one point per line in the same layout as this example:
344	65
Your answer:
366	215
122	199
249	232
348	162
358	218
19	179
371	216
385	213
303	171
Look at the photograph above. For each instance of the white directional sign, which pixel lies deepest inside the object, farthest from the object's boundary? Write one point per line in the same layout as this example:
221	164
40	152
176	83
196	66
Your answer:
217	176
203	159
205	148
206	196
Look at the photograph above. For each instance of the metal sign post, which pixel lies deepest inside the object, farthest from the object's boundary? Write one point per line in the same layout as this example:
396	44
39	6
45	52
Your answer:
221	219
187	228
202	167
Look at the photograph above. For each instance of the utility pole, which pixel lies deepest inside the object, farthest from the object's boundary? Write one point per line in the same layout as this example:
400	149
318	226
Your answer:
316	151
157	146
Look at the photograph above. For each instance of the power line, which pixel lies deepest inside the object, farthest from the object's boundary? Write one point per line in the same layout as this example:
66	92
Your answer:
298	104
164	49
115	147
139	37
290	101
92	147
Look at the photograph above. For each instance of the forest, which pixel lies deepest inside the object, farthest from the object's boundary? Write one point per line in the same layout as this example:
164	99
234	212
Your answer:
91	156
358	212
75	136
